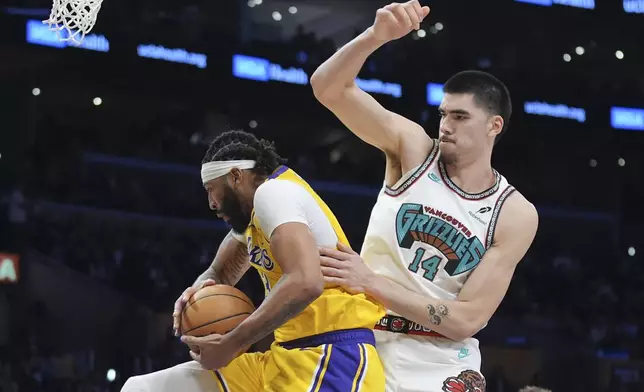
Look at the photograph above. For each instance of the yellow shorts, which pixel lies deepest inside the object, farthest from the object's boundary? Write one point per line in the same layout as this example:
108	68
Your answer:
338	361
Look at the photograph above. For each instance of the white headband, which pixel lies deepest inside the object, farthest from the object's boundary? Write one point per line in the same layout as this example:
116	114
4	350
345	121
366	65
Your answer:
216	169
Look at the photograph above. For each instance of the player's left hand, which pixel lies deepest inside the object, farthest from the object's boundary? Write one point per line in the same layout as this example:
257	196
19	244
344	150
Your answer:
213	351
344	267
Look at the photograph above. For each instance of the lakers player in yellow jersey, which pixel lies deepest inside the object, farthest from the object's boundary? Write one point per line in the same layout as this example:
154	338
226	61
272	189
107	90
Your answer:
323	335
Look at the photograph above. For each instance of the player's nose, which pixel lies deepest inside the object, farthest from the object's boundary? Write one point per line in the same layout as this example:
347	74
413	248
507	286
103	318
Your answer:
446	129
211	202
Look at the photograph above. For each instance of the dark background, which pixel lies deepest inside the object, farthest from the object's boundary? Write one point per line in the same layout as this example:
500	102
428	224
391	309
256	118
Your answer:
104	209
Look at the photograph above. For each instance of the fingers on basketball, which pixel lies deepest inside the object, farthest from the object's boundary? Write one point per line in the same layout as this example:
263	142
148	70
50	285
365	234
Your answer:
179	306
207	282
176	315
216	309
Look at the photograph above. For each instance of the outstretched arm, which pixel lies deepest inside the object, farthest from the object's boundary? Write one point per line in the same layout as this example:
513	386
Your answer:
334	86
480	296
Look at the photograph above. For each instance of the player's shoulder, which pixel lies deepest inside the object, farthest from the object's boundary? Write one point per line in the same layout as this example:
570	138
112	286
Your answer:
278	185
519	213
515	203
278	189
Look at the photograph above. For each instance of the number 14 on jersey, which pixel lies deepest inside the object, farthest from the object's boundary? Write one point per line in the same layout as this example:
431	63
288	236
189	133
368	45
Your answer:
429	265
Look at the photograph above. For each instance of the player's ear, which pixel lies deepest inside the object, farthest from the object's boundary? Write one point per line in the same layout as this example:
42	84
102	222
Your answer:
236	176
496	125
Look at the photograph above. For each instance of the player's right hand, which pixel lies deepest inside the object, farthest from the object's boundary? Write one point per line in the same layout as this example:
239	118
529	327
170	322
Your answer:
181	302
398	19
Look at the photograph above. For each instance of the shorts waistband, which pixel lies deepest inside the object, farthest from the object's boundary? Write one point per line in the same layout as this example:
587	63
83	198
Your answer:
345	336
399	324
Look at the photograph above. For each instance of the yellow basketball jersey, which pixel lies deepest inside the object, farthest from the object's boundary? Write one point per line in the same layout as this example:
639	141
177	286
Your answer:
335	309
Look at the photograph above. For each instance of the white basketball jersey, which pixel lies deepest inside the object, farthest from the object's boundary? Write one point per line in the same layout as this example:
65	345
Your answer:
427	234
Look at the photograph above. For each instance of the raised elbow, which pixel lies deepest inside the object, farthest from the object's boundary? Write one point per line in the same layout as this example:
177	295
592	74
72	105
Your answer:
326	91
320	87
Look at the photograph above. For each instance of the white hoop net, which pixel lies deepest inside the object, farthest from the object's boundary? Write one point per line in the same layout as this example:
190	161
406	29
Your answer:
73	19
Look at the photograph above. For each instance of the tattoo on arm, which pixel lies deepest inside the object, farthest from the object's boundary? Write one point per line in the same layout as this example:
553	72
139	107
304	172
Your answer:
437	313
230	272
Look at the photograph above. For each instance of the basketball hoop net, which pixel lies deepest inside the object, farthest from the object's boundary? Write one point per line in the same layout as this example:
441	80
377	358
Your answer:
73	19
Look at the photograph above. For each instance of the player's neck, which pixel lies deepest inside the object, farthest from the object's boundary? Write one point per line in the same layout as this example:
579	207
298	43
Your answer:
474	176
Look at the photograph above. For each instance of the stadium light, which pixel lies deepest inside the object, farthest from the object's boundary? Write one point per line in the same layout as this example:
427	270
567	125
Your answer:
277	16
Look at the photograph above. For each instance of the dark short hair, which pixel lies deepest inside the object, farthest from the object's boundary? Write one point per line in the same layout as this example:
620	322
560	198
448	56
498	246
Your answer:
489	93
234	145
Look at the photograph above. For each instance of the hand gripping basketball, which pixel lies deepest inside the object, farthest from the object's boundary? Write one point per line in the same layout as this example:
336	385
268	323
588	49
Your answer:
180	303
398	19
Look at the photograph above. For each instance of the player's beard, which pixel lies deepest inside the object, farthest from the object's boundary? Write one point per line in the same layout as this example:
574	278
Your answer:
231	207
449	158
450	154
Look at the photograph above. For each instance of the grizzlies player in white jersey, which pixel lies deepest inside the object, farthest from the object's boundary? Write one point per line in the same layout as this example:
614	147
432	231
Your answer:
447	230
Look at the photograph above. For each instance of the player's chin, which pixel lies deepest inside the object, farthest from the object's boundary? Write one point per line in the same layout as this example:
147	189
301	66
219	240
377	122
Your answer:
448	152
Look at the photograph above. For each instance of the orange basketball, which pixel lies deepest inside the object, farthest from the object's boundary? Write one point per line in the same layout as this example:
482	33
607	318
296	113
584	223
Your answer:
215	309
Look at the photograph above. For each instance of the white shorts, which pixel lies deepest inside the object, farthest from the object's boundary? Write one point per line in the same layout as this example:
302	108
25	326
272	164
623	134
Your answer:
186	377
429	364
